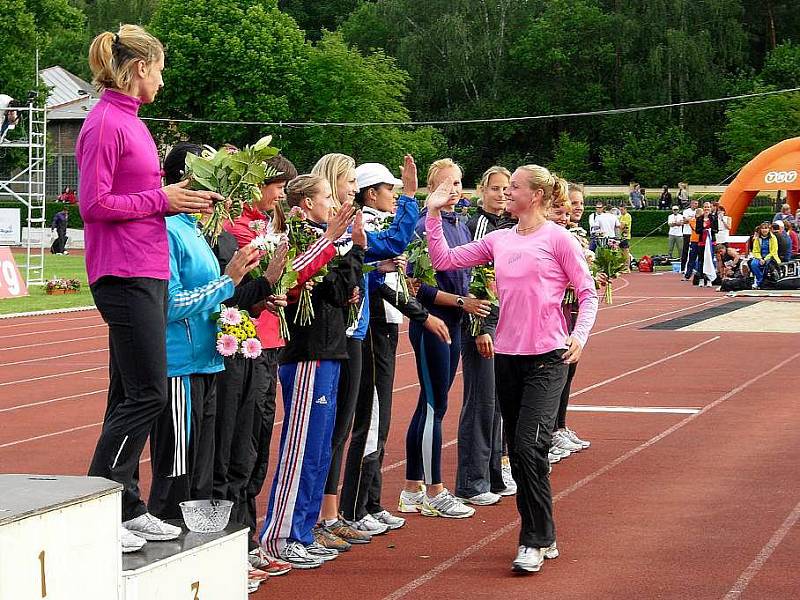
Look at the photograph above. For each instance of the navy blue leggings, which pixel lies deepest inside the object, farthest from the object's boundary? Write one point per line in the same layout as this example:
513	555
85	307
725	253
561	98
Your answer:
436	368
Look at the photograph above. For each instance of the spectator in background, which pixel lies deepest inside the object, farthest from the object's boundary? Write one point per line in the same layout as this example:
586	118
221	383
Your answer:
675	222
607	225
68	196
688	217
784	241
791	231
784	215
764	250
729	261
724	223
59	225
644	197
594	224
706	229
683	195
635	197
665	201
691	261
625	228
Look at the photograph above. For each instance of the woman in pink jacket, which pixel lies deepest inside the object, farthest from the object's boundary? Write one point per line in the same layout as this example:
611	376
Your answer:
534	262
123	206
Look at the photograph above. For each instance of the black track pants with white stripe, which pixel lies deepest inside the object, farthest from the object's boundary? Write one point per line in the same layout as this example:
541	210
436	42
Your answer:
182	445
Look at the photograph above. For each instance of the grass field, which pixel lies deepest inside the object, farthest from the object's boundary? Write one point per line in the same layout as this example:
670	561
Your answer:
73	267
65	267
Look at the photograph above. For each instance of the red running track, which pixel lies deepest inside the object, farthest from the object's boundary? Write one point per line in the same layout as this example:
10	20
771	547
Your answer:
697	503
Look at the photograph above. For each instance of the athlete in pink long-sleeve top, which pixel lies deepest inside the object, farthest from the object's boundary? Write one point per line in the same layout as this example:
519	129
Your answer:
534	262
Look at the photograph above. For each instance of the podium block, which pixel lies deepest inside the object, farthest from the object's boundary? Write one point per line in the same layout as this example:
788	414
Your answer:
196	566
59	537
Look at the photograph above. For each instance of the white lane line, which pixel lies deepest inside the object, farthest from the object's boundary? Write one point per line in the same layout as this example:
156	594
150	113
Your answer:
38	313
672	312
623	304
47	435
509	527
763	556
633	409
72	397
643	367
50	332
58	357
54	375
39	344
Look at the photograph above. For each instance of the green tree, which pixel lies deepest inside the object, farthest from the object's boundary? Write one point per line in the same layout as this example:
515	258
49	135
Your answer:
314	16
228	60
571	159
18	44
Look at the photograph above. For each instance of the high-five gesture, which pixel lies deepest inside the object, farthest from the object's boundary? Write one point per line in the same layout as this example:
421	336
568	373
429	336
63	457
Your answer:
440	198
359	237
408	173
340	221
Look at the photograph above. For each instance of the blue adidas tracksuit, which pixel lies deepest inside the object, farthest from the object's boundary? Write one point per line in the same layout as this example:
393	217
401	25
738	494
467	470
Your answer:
436	361
182	440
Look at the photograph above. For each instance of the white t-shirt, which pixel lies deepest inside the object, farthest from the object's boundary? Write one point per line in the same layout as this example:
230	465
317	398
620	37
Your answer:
724	228
675	223
688	215
607	223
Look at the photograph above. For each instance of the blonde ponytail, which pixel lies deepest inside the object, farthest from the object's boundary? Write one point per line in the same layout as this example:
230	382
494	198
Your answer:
113	56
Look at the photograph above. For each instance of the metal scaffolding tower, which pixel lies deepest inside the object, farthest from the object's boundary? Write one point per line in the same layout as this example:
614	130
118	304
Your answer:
28	186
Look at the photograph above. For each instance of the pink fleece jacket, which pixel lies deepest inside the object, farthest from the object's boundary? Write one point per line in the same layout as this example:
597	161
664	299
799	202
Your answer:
121	200
532	273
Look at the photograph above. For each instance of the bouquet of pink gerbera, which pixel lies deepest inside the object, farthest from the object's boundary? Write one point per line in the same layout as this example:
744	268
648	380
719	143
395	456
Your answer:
236	333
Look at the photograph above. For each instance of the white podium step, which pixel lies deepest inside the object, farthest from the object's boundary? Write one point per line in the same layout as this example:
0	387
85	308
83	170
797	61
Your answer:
196	566
59	537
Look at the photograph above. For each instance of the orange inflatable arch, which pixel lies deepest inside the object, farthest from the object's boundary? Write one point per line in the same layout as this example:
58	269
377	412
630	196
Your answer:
776	168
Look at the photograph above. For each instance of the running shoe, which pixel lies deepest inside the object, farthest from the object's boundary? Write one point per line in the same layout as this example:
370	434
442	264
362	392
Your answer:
484	499
553	458
269	564
388	519
529	560
559	452
296	555
152	528
551	551
253	585
327	539
444	504
574	437
256	574
508	478
560	440
411	502
319	551
370	526
130	541
343	530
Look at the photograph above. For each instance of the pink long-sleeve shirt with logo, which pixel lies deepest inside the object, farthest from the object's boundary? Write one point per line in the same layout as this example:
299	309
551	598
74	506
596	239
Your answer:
532	272
120	196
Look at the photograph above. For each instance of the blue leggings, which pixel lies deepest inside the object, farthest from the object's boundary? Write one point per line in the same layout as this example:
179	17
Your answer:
759	270
436	368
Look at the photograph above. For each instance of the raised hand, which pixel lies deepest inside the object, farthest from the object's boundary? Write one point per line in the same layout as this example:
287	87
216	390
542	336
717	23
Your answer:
408	173
359	237
276	265
439	198
340	221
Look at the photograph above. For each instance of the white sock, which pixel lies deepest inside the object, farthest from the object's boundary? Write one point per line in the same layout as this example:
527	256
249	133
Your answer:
329	522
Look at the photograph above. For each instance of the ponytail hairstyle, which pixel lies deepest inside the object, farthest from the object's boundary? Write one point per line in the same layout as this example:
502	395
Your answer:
487	175
113	56
331	167
302	187
435	170
554	188
561	194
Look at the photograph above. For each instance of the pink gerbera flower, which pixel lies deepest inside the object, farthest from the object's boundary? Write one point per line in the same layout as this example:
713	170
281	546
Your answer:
251	348
227	345
230	316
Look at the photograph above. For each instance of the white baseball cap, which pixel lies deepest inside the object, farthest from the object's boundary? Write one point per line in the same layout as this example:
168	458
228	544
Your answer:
371	173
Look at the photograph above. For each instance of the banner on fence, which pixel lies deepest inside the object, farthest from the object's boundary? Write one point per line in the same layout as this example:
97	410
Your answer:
9	227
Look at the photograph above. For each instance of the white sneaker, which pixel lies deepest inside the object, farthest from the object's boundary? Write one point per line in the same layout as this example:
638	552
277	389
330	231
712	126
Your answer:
369	525
444	504
317	550
529	560
551	551
130	541
152	528
296	555
574	438
559	452
508	478
411	502
562	441
484	499
388	519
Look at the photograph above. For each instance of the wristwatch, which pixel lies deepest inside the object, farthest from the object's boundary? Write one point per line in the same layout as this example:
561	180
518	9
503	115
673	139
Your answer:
460	302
